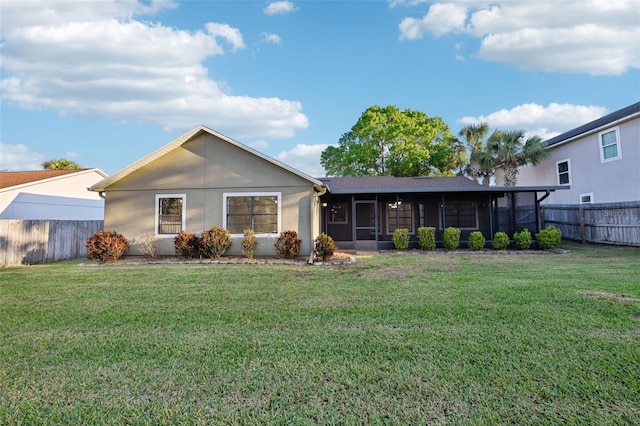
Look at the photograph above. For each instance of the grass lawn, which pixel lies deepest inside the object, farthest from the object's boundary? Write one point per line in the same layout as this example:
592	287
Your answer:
393	339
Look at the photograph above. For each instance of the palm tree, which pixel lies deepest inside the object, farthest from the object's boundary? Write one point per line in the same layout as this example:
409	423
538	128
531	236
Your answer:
60	164
510	151
473	136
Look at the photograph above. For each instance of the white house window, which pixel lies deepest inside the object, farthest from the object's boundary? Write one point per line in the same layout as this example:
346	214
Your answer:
170	214
609	145
338	213
461	214
586	198
399	215
259	211
564	172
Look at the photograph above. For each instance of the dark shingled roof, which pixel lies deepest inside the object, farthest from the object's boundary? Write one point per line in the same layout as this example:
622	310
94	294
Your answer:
602	121
8	179
387	184
399	185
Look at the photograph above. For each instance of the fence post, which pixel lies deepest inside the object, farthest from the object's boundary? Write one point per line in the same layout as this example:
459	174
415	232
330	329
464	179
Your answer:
583	227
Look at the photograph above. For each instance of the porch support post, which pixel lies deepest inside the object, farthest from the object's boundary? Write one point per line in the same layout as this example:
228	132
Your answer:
491	217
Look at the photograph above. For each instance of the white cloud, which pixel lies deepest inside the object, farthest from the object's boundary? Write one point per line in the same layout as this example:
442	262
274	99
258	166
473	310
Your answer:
539	120
270	38
280	8
305	158
96	61
232	35
441	19
595	37
19	157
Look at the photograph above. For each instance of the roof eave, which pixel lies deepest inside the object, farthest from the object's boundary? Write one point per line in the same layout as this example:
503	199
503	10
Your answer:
484	189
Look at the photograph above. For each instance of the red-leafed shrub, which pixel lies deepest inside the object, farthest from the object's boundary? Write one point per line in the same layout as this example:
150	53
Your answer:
288	244
187	245
324	247
107	246
215	242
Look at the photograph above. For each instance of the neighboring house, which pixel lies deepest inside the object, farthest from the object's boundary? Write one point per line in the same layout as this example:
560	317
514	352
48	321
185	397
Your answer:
203	178
51	194
362	213
599	161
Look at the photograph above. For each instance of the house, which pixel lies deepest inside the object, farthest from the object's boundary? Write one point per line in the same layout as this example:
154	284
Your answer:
51	194
204	178
599	161
362	213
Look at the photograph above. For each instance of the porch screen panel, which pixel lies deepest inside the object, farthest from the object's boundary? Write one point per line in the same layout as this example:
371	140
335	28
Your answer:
259	213
461	215
399	215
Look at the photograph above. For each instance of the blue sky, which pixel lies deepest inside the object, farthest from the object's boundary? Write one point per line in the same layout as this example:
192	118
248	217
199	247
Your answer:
105	82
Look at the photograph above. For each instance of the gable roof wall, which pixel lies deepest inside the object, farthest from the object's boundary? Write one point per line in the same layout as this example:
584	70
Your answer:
627	112
176	143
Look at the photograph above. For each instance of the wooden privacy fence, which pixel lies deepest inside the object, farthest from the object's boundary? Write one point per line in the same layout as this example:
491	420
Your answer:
40	241
611	223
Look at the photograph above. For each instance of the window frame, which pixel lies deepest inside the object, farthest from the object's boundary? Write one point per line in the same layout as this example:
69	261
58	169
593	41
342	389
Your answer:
618	145
278	195
586	194
157	214
442	213
568	172
346	213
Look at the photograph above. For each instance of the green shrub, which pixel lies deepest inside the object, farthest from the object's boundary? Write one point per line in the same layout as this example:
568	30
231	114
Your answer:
451	238
427	237
249	244
187	245
288	244
549	237
476	240
522	239
500	241
215	242
324	247
401	238
107	246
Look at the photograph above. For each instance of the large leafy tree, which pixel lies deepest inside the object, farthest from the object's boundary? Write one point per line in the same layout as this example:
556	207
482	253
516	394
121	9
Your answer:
60	164
510	150
387	141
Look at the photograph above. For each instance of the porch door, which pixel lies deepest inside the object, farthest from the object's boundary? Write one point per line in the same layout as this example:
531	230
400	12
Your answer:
365	225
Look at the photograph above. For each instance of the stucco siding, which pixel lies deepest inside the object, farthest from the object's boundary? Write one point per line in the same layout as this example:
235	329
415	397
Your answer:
204	170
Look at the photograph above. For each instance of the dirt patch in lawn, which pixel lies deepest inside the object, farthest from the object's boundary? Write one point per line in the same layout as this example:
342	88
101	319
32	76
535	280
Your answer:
608	295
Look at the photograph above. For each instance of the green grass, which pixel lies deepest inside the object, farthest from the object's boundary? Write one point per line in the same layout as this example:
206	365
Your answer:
393	339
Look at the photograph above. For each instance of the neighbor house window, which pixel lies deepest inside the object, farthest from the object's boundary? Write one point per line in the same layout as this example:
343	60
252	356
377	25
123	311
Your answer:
564	172
257	211
399	215
460	214
338	213
609	145
170	214
586	198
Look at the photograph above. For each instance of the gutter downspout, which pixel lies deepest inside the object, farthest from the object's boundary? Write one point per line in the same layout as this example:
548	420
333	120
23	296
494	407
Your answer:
540	218
315	207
